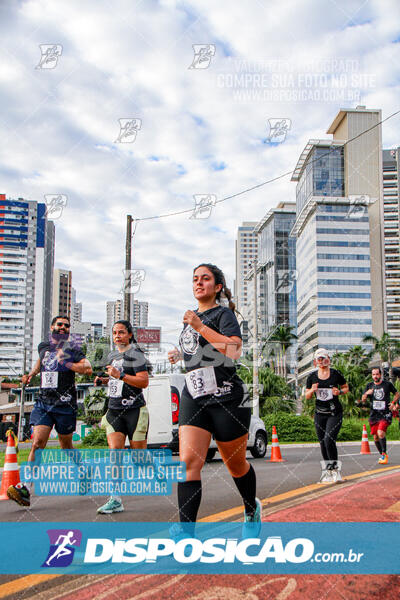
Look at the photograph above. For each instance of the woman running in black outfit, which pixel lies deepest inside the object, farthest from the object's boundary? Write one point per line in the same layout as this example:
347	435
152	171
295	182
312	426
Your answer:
213	399
127	414
327	384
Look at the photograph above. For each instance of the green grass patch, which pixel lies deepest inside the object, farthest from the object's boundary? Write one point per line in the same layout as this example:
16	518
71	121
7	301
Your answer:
22	456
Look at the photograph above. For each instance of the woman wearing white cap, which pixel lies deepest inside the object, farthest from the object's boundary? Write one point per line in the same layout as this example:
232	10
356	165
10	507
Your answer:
327	384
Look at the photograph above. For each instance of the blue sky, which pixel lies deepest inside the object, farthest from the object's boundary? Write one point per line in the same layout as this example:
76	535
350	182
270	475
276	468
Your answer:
202	131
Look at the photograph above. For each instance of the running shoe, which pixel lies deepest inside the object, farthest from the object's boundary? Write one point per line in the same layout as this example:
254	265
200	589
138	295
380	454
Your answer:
111	506
326	475
336	475
384	459
20	494
252	523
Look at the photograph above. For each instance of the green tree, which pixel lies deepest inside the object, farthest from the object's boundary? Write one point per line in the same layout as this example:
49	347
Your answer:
95	406
357	355
357	377
275	394
284	337
387	347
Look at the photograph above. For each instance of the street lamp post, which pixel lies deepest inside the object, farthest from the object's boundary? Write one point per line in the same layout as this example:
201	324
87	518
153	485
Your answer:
256	395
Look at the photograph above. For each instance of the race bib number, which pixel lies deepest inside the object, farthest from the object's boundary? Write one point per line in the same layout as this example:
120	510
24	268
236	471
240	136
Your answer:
201	382
324	394
115	388
378	405
49	379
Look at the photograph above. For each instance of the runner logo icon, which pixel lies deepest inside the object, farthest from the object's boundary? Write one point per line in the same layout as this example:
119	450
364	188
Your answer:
62	547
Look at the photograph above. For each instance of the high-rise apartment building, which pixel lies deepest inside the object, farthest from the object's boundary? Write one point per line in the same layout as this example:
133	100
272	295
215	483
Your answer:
140	314
246	252
114	312
391	216
76	309
340	285
276	269
26	269
62	293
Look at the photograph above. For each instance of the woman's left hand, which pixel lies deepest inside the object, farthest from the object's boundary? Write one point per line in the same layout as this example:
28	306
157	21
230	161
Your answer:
192	319
335	391
113	371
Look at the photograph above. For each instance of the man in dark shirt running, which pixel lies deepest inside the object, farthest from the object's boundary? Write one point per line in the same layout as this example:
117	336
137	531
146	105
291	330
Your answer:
56	405
378	393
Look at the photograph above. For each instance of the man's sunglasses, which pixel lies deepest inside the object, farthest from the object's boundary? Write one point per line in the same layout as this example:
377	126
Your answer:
63	325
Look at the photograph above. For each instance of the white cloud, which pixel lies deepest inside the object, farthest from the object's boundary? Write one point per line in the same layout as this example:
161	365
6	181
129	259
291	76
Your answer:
131	61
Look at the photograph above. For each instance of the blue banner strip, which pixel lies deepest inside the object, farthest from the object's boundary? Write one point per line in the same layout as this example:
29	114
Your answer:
218	548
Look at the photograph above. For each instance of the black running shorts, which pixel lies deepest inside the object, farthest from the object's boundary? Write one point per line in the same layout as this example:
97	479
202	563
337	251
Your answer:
133	422
227	420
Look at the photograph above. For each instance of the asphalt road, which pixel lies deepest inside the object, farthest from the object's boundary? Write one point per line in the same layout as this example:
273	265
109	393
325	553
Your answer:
301	468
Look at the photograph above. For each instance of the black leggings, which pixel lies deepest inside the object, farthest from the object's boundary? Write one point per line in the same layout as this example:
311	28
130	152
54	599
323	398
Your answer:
327	428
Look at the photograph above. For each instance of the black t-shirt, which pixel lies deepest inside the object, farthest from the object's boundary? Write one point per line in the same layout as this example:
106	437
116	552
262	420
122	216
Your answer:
325	401
57	382
198	352
380	400
121	395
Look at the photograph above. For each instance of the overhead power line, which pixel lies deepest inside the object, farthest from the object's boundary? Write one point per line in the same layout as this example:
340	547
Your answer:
259	185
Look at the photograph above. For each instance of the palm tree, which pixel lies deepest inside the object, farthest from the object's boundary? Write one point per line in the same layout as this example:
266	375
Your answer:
387	347
283	336
357	355
275	393
357	377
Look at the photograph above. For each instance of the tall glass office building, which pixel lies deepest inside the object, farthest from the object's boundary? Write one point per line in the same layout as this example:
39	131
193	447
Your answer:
339	266
277	273
26	267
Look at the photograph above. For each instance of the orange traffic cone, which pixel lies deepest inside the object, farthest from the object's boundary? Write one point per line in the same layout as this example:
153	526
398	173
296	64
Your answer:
365	449
276	455
11	467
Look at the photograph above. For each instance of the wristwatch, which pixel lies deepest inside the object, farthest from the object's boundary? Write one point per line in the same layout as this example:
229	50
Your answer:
122	374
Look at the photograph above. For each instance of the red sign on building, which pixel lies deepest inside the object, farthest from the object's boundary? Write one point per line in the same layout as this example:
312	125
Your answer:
148	335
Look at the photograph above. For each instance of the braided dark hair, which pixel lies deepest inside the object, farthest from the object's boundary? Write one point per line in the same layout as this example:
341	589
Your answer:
219	278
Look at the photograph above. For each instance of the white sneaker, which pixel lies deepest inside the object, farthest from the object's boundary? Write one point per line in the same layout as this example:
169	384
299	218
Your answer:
326	476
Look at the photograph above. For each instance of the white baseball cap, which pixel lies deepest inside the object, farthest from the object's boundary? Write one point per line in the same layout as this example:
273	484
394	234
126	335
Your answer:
321	353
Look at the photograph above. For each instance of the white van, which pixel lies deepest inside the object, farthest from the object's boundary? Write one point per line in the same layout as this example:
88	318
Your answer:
163	396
